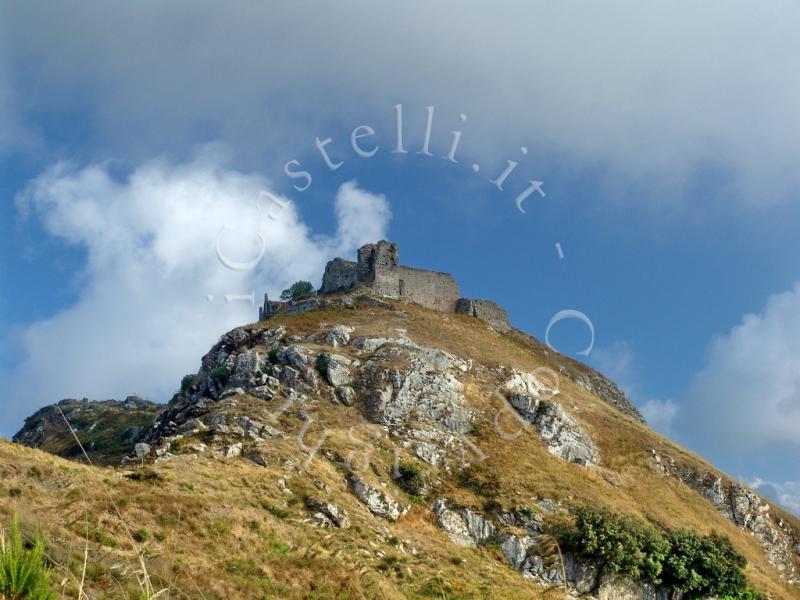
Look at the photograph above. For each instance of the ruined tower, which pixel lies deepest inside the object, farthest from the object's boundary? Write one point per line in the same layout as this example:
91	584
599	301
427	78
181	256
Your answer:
377	270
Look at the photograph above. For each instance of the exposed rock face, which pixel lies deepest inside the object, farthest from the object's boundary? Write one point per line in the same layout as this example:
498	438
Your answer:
338	336
411	383
378	502
535	556
741	506
328	513
464	526
605	389
618	589
586	377
336	369
560	433
108	429
467	527
417	393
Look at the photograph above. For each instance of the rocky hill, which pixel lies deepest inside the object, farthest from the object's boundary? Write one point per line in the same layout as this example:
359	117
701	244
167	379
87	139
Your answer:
378	449
107	429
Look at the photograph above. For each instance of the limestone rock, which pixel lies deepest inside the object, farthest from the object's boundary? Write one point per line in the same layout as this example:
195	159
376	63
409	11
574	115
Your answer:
346	395
251	367
338	336
231	451
336	369
612	588
378	503
417	383
232	391
464	526
563	437
336	515
560	433
740	505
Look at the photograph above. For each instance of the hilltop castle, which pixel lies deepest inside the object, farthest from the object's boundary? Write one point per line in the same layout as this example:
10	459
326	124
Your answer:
379	272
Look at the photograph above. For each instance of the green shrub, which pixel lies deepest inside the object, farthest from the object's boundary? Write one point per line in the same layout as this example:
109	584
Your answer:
102	538
140	535
480	480
220	374
297	290
682	560
705	565
186	382
622	545
275	511
24	574
322	363
273	355
411	479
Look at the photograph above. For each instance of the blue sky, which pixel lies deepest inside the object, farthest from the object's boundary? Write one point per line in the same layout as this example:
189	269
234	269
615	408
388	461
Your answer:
666	144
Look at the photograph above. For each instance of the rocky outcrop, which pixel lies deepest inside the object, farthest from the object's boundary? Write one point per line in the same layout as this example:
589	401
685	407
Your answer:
377	502
560	433
464	526
338	336
108	429
327	514
417	393
583	375
740	505
536	555
407	382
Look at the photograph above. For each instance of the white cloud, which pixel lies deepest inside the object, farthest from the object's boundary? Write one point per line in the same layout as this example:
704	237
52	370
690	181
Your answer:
615	362
651	92
660	414
142	317
748	394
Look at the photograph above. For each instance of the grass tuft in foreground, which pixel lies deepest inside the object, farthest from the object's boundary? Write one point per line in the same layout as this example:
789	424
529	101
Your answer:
24	574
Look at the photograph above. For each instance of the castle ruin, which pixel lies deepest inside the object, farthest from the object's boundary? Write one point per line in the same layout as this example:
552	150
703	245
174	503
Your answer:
378	271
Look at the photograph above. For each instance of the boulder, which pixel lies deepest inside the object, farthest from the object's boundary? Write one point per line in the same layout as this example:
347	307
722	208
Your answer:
378	503
336	515
412	382
232	451
336	369
346	395
464	526
560	433
338	336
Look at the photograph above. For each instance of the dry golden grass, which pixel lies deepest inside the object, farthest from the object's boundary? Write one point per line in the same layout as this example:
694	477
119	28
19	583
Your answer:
214	528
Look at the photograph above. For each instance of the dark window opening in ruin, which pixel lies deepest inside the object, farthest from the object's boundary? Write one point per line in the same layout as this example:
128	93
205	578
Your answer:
402	288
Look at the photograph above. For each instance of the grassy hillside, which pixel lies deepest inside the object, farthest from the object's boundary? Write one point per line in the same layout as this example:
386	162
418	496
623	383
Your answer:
214	527
107	429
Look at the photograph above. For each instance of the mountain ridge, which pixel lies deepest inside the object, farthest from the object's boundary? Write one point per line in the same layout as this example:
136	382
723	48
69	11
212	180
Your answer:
423	394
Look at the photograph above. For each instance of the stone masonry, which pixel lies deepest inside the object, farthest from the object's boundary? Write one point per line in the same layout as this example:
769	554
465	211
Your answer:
378	271
378	268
